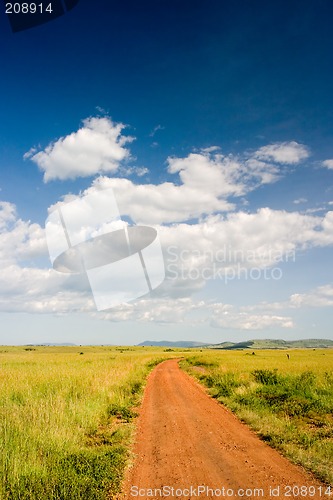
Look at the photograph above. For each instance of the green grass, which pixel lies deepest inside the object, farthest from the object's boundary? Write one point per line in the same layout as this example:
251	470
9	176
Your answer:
66	419
67	413
288	402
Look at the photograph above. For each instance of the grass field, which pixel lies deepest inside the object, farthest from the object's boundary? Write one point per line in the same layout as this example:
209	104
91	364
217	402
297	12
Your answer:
66	419
287	401
66	413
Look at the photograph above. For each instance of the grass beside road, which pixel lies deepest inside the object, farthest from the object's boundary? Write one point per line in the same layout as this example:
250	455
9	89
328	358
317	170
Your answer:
66	419
288	402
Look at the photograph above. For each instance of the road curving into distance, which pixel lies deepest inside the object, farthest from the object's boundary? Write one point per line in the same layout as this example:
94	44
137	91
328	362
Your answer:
188	446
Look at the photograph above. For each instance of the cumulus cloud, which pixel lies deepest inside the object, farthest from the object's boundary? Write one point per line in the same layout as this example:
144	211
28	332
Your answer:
321	296
216	246
187	310
244	321
328	164
7	213
138	171
194	214
34	290
159	310
192	312
227	316
250	239
207	178
19	240
238	246
265	172
225	175
283	152
207	182
165	203
97	147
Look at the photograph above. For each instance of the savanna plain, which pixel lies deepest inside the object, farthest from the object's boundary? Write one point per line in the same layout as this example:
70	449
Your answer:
67	414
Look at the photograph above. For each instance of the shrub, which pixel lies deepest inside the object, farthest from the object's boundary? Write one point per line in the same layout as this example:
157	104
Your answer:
266	377
225	383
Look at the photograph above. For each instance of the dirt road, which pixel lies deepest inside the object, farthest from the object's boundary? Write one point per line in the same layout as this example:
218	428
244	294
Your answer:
193	447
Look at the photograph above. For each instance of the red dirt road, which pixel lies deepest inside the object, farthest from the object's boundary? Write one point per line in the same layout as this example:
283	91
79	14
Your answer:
186	439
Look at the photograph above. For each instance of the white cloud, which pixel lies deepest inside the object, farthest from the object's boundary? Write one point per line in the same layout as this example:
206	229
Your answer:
163	203
7	213
186	310
160	310
97	147
33	290
328	164
265	172
208	180
249	239
194	218
299	201
244	321
224	175
19	240
211	149
283	152
240	246
209	171
322	296
191	312
315	210
229	317
156	129
216	246
219	315
138	171
30	153
260	237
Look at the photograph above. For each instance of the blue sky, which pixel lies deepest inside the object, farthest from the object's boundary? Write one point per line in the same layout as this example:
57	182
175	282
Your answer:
226	148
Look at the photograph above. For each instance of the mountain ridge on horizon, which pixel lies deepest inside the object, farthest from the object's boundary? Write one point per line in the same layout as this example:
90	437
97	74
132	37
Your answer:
248	344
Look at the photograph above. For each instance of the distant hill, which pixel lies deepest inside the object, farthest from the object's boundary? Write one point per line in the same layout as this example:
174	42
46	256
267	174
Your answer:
274	344
248	344
166	343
